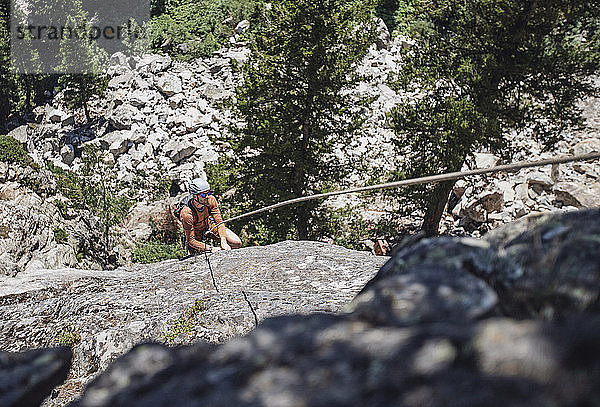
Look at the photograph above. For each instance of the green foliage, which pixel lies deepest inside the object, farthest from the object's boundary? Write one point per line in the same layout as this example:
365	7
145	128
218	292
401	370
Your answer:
19	92
297	110
345	227
201	27
4	231
185	322
80	88
481	69
155	251
60	235
12	151
157	184
222	176
99	191
403	15
68	337
69	184
386	10
9	97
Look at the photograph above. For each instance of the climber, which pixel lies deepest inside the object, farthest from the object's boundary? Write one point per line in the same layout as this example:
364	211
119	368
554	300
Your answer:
200	215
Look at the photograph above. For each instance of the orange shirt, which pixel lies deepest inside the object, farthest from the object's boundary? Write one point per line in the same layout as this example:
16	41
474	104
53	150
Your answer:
206	216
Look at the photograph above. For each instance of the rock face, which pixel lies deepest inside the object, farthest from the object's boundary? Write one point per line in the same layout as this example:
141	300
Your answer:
111	311
425	294
160	119
29	224
542	266
544	189
323	360
420	333
445	322
557	265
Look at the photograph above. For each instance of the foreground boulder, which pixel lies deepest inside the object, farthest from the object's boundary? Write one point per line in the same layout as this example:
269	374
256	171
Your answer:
27	378
557	259
427	294
433	327
415	335
542	266
324	360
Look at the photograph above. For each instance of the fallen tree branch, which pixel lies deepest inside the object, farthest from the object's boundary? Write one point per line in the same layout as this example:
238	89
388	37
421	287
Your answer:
425	180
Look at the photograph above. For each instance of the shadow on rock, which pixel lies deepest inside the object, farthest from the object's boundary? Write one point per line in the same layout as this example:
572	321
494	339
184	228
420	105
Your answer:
27	378
543	266
323	360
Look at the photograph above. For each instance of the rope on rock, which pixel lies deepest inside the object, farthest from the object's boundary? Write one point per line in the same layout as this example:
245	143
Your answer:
425	180
251	308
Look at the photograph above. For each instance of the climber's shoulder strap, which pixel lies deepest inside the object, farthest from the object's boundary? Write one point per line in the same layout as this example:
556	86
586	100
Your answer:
182	204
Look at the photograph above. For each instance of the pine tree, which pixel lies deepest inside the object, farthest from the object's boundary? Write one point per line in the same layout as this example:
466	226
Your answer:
80	88
82	61
386	10
8	93
298	112
484	68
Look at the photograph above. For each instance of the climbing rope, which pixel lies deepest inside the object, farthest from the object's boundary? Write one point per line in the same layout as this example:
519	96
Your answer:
425	180
209	266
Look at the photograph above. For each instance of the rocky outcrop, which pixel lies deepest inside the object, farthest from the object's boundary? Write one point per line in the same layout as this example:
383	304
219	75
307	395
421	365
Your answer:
561	187
422	332
176	109
557	265
160	120
509	320
542	266
426	294
34	233
323	360
102	314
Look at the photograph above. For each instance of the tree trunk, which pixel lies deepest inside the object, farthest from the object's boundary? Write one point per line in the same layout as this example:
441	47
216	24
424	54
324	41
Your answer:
302	223
4	111
27	92
86	111
299	187
437	203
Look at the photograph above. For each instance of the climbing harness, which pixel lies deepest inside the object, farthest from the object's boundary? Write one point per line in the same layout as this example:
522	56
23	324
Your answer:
195	254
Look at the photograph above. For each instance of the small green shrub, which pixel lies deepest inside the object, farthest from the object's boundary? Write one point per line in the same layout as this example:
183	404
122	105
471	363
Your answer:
68	337
185	323
153	251
202	26
95	188
68	183
60	235
12	151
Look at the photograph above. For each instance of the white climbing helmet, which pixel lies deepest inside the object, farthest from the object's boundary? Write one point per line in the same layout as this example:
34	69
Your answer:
198	186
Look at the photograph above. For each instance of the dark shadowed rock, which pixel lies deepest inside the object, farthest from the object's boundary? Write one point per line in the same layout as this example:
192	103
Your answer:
427	294
458	254
27	378
559	264
415	335
541	266
324	360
